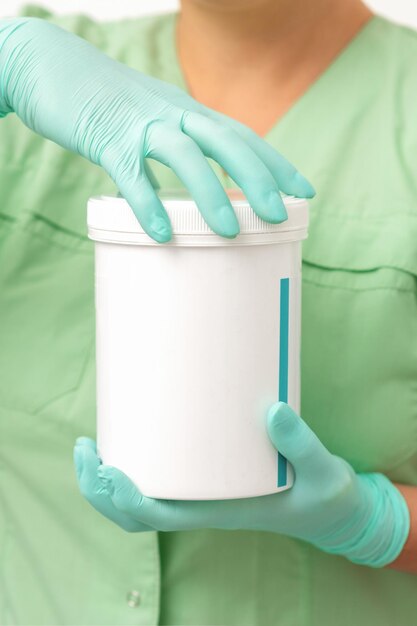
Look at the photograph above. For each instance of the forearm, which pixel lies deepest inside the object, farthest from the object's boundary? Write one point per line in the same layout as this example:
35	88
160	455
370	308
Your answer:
43	70
407	560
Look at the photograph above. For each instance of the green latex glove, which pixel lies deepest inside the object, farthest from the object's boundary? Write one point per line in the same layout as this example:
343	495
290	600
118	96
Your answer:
66	90
361	516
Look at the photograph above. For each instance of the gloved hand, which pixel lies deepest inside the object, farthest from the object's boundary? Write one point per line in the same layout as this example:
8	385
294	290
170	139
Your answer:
361	516
66	90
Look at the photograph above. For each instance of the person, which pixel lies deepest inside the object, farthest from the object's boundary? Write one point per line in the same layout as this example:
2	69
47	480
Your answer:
332	87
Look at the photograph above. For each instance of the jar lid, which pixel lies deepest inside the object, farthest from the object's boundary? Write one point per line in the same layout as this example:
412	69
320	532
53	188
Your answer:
112	220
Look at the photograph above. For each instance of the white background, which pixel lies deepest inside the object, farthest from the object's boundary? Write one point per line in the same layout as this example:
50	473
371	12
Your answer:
404	11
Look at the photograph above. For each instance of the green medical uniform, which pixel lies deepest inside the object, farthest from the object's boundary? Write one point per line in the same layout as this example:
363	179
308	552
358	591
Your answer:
354	135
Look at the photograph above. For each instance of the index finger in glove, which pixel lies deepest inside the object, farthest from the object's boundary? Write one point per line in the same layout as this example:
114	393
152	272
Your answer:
179	152
145	204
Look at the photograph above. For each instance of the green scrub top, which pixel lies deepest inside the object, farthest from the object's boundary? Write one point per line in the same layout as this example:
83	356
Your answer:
354	135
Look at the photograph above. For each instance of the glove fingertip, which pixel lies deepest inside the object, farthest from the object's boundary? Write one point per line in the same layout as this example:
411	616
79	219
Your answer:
281	422
277	412
302	187
86	441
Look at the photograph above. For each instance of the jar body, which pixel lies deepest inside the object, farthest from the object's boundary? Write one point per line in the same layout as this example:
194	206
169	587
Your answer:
193	346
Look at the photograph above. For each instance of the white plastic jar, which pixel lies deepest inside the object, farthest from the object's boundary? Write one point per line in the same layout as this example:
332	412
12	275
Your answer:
195	340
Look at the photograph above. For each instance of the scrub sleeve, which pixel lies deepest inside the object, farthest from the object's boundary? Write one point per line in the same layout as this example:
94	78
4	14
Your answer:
60	562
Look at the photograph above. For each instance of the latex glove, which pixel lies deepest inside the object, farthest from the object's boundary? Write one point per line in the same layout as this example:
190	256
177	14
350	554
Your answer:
361	516
66	90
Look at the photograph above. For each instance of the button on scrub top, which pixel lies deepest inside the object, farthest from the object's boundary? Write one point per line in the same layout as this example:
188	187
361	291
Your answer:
354	135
